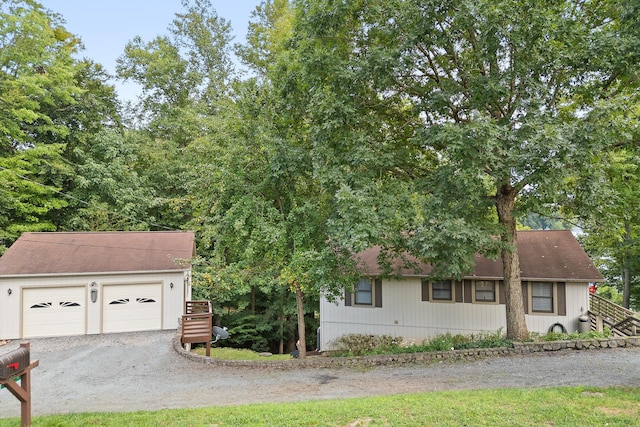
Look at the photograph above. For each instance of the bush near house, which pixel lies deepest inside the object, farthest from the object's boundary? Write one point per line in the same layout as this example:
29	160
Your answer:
368	345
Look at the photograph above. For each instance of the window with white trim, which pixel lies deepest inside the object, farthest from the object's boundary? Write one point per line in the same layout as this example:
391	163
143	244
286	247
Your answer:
442	290
485	291
363	294
542	297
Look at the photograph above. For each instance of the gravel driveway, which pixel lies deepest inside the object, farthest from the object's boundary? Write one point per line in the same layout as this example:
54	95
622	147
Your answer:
141	371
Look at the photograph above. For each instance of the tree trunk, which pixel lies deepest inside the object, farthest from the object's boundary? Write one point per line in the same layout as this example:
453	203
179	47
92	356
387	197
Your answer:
302	338
516	322
281	334
626	268
253	300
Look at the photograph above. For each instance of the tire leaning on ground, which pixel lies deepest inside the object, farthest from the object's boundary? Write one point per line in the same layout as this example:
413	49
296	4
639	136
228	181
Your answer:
553	327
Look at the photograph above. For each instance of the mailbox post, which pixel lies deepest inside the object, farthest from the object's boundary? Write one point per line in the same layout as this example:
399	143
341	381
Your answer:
14	364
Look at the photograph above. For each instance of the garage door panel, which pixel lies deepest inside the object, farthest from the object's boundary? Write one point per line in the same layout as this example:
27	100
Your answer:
53	311
132	307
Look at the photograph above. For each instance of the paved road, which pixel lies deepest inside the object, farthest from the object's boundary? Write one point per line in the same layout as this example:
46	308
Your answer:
141	371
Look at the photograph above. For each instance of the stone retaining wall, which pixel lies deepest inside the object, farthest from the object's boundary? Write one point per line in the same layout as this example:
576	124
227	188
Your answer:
408	358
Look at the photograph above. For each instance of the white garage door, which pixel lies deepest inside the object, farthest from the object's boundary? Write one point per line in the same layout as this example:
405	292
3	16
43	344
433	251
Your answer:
50	312
129	308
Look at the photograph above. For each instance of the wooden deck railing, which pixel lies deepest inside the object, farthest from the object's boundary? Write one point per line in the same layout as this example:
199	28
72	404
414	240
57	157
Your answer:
198	306
197	324
622	321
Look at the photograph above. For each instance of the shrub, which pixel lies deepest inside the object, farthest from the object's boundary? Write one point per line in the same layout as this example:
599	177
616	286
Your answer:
558	336
360	344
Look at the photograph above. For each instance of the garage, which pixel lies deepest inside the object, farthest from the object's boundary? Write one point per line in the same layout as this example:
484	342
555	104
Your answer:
132	307
75	283
56	311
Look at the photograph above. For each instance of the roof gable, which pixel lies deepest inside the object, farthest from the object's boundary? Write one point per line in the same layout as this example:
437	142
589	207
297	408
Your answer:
93	252
549	254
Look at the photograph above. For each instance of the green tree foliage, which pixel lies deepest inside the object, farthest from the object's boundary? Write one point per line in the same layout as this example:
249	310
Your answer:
476	108
29	191
37	87
261	213
612	222
267	36
53	106
108	193
534	221
185	78
36	73
184	75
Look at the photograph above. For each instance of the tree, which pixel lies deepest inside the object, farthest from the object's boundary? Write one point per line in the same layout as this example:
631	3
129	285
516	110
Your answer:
612	219
36	73
37	88
475	108
108	193
267	36
31	183
261	213
185	78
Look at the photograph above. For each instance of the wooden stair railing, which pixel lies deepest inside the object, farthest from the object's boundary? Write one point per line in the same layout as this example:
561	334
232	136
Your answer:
622	321
630	326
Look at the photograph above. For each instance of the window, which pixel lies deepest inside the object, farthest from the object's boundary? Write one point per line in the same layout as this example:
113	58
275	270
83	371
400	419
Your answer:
442	290
485	291
364	292
542	297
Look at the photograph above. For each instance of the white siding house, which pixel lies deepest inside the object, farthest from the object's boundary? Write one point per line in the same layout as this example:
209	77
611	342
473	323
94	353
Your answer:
57	284
555	272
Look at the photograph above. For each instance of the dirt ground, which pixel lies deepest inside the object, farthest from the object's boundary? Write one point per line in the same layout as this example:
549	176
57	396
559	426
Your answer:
141	371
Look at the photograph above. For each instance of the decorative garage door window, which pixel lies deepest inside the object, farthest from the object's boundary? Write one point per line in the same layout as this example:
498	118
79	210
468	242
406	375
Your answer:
61	303
126	301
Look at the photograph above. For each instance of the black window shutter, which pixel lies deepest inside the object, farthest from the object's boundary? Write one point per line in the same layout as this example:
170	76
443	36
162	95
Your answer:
525	297
468	291
459	295
347	298
378	293
425	289
562	299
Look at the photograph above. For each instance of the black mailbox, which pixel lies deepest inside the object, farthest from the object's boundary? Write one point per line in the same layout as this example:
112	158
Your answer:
13	362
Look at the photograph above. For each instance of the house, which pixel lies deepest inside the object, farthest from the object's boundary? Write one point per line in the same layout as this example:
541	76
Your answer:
56	284
555	273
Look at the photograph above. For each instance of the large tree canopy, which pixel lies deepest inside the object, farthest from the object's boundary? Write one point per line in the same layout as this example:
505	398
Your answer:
50	104
36	72
476	108
261	212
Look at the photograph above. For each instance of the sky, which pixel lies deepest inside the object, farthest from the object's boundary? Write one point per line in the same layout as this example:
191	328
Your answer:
105	27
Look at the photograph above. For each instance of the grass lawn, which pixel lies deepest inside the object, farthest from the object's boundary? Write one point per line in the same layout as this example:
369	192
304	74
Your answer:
226	353
504	407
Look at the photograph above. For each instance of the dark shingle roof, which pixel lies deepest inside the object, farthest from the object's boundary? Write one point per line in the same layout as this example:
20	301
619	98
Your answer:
89	252
554	254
